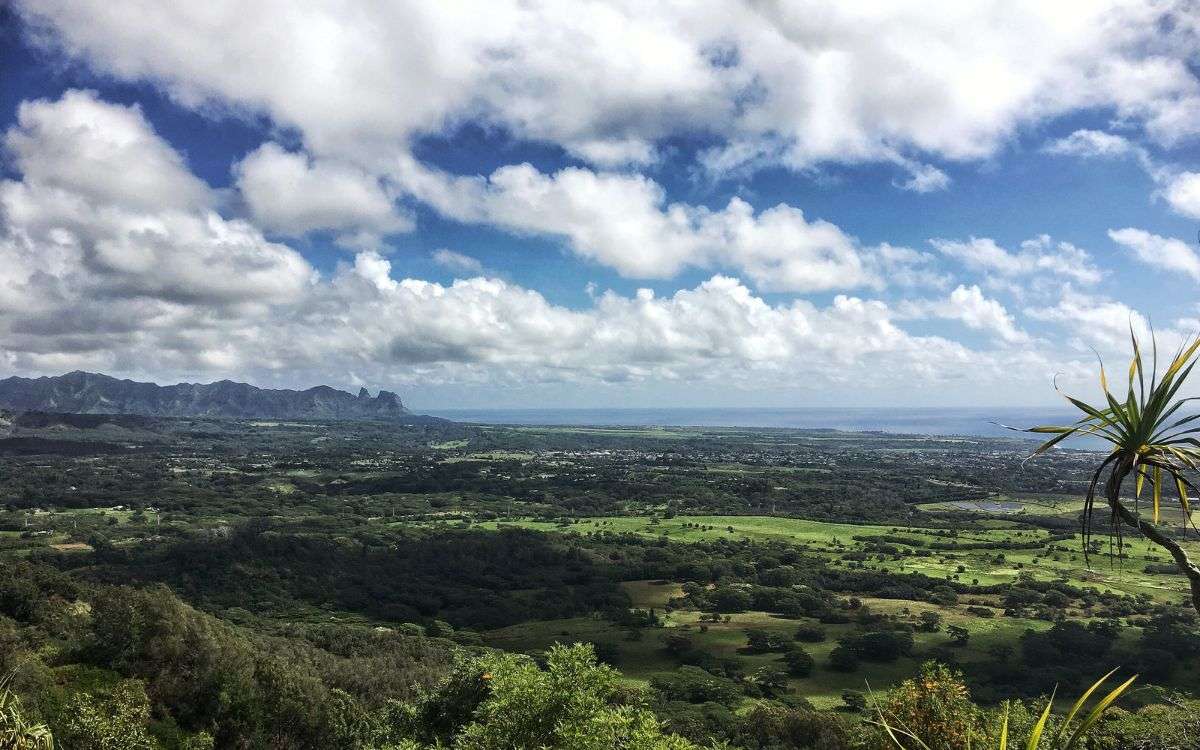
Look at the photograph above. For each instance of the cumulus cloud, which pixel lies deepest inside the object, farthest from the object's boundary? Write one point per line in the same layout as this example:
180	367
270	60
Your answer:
1183	194
101	153
292	194
795	84
88	263
624	221
1098	322
969	306
1162	253
113	256
1039	255
109	280
715	329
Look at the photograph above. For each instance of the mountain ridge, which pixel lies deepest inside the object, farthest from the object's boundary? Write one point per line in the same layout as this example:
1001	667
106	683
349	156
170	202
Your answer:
80	392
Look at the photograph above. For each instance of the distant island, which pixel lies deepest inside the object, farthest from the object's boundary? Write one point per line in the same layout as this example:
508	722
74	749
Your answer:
93	393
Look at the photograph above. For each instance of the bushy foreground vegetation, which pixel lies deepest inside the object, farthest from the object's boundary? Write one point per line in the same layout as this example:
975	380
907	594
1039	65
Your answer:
498	700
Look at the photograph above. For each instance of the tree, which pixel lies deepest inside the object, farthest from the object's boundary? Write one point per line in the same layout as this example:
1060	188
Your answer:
695	685
936	707
958	635
1148	441
931	622
883	645
799	662
769	680
855	701
118	721
571	704
772	725
762	641
843	659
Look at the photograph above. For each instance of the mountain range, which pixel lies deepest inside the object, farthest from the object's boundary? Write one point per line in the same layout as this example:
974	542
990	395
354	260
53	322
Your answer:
92	393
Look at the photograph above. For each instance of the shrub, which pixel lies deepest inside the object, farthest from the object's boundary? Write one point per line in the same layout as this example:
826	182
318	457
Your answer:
799	662
843	659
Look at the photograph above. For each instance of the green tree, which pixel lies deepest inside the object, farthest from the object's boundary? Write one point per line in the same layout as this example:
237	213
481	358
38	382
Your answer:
115	722
958	635
769	680
855	701
572	704
843	659
799	662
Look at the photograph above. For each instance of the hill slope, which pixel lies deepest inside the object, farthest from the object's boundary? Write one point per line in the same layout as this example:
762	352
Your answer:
92	393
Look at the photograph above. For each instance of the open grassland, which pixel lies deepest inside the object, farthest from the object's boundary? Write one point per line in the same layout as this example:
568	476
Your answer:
643	658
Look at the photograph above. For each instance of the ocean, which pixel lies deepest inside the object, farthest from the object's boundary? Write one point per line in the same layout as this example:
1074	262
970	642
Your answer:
976	422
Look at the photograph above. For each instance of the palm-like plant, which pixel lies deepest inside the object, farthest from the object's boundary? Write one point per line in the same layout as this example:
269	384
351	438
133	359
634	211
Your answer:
17	732
1070	733
1149	440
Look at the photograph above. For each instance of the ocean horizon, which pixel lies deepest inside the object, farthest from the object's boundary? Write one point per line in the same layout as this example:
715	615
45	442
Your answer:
948	421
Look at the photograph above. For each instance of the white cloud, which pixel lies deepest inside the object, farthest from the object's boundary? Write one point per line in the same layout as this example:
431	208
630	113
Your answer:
103	153
132	269
1039	255
925	178
624	221
1180	189
1162	253
457	262
1098	322
105	280
89	265
797	84
1090	144
720	328
1183	194
292	194
969	306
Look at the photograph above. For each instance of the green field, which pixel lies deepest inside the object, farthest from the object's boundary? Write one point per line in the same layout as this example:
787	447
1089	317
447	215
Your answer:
1062	560
639	660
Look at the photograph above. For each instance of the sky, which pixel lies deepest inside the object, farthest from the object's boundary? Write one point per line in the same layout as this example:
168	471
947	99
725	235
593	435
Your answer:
600	204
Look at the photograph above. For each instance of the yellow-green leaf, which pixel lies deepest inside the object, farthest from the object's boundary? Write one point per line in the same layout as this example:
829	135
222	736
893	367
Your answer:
1182	359
1035	737
1004	730
1099	709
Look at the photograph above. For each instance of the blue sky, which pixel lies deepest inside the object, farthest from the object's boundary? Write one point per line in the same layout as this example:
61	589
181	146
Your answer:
615	206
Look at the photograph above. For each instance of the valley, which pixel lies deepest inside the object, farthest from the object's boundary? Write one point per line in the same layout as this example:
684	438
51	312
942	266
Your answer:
715	568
